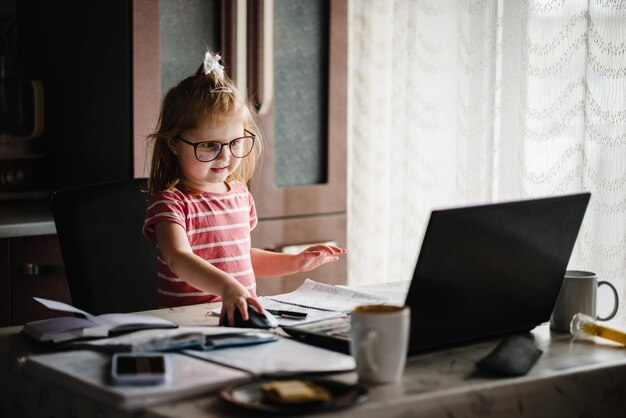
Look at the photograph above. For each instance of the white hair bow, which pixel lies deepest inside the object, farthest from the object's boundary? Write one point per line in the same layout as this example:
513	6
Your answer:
212	64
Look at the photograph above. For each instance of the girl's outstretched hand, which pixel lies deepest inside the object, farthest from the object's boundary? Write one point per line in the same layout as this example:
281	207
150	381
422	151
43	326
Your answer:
316	255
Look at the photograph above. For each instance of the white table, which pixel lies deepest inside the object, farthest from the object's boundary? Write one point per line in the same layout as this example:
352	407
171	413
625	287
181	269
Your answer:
571	378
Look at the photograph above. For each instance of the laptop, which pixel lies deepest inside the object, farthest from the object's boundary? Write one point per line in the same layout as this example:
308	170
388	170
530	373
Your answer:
482	272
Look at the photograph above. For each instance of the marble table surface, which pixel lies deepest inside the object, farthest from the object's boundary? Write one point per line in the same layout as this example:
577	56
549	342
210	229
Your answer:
572	378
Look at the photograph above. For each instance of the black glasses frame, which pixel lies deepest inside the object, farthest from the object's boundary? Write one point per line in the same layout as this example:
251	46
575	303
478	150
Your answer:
221	144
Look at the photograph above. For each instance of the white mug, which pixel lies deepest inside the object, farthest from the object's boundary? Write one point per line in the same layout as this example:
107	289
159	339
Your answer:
380	339
578	294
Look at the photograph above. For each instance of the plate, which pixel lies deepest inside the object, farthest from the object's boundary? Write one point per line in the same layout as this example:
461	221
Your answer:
249	396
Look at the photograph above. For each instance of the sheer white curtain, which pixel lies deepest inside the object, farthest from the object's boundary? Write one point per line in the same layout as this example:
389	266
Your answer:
454	102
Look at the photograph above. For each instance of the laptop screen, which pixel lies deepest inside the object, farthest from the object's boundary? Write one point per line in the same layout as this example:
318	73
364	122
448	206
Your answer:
490	270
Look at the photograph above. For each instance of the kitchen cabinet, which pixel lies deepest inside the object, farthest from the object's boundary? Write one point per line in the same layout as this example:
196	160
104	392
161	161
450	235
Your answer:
5	283
95	62
293	67
30	266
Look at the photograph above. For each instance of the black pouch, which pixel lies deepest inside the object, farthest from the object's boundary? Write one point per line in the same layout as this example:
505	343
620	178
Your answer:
513	356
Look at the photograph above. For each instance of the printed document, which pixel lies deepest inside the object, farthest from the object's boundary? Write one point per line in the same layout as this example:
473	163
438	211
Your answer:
324	297
283	357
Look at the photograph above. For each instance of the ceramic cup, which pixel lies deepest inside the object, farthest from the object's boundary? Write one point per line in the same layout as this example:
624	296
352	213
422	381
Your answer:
380	339
578	294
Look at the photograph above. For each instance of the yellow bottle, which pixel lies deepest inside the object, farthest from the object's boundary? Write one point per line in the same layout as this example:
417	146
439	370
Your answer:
584	326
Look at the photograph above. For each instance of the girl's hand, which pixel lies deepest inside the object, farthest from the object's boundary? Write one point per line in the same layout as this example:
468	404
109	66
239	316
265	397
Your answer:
235	296
316	255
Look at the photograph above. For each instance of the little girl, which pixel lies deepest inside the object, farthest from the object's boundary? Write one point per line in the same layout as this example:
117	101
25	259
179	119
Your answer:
200	212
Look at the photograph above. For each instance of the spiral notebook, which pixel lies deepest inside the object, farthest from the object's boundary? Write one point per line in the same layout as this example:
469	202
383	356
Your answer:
324	297
322	301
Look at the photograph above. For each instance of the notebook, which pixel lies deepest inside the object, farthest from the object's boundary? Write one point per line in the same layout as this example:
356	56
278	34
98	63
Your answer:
482	272
67	328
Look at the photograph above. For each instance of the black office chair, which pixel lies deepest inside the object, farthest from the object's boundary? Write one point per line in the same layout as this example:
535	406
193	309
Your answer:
110	266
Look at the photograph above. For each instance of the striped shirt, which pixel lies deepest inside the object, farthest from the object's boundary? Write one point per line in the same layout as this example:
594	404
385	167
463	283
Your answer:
218	227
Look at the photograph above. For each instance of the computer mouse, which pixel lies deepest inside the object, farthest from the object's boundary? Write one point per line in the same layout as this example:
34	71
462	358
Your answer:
256	319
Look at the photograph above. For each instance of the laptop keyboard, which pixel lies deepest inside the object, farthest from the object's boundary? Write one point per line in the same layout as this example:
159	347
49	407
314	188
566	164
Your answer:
333	334
336	327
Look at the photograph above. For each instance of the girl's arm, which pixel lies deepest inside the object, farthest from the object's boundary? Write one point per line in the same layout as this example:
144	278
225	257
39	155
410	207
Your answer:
269	264
199	273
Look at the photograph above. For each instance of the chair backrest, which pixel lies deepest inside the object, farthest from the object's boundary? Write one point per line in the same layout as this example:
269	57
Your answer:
110	266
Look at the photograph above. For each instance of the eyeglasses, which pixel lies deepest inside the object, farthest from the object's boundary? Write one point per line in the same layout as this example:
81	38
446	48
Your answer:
206	151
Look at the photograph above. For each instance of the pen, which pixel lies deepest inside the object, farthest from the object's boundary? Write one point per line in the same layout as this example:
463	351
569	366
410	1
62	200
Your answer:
287	314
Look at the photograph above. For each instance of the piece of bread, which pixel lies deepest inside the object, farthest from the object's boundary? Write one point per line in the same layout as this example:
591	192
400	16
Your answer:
294	392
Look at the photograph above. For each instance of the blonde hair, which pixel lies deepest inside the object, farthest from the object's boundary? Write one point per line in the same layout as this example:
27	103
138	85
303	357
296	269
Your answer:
195	101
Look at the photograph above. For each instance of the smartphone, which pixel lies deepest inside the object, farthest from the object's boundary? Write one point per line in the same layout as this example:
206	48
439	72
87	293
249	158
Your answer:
139	368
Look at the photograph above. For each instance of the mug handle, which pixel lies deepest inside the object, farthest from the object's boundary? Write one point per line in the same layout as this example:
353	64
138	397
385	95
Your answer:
366	347
615	306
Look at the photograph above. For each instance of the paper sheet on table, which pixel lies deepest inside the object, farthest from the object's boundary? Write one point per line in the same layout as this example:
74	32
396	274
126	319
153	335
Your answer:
64	307
394	295
67	328
324	297
312	314
283	357
322	301
87	373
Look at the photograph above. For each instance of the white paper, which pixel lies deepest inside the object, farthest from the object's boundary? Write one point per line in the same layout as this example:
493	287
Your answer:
87	373
88	332
64	307
64	328
283	357
312	314
312	294
395	296
67	328
322	301
112	320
